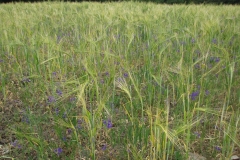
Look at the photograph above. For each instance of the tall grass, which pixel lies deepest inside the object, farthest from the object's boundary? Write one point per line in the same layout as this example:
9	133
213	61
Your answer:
119	80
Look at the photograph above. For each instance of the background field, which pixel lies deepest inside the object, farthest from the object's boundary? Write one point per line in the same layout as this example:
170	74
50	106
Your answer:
119	81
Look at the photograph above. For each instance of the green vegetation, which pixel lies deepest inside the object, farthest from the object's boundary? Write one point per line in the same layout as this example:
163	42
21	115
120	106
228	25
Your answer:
119	81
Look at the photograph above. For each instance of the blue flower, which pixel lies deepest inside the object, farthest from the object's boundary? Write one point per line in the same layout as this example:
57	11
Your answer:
194	95
193	40
58	151
79	124
125	75
207	92
59	92
214	41
218	148
104	147
51	99
69	131
108	123
64	115
16	144
57	111
106	73
198	135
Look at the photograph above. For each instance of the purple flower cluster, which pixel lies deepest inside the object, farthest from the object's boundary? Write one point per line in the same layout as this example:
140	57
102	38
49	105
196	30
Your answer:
59	92
194	95
51	99
16	144
108	123
79	124
214	41
197	134
218	148
58	151
214	59
104	147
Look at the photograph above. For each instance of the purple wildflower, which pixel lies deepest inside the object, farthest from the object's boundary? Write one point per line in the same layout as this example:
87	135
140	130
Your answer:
51	99
218	148
104	147
58	151
79	123
57	111
197	134
108	123
1	60
69	131
193	40
54	73
25	119
64	115
214	41
207	92
106	74
59	38
16	144
125	75
59	92
217	59
102	81
64	138
194	95
72	99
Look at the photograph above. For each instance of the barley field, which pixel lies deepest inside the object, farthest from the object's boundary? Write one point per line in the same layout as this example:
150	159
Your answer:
124	80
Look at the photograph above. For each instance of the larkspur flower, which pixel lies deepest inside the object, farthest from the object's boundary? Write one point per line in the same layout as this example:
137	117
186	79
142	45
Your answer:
207	92
64	115
214	41
125	75
59	38
16	144
57	111
59	92
217	59
218	148
104	147
193	40
58	151
72	99
25	119
108	123
106	74
79	124
194	95
197	134
102	81
51	99
64	138
69	131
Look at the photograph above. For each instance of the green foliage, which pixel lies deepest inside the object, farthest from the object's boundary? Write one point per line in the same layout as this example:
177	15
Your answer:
122	80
